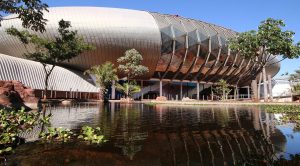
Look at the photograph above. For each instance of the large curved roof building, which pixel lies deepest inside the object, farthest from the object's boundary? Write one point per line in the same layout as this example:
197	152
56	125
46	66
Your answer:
174	48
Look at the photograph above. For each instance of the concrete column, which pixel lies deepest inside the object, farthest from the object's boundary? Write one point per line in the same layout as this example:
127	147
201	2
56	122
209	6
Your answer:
270	87
160	88
198	90
212	92
265	85
254	90
187	89
113	90
248	90
51	95
70	92
180	90
142	85
258	86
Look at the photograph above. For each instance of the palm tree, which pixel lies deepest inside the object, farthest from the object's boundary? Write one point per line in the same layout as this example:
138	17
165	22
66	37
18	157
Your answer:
128	88
105	74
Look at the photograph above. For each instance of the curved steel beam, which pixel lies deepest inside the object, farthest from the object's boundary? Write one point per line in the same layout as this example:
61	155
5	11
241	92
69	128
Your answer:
193	65
185	54
217	59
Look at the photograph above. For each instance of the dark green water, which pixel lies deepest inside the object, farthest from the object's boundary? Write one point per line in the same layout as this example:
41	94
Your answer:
138	134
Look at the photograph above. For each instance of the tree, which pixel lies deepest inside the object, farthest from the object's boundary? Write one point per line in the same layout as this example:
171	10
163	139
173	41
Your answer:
50	53
130	65
270	41
29	11
222	89
128	88
105	74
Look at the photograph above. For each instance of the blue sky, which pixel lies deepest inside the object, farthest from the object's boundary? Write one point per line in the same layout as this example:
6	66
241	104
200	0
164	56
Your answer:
239	15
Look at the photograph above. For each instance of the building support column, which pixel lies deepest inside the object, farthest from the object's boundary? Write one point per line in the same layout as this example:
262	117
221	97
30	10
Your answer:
180	90
265	85
160	88
259	86
198	91
51	95
270	87
142	85
248	90
254	90
212	92
113	90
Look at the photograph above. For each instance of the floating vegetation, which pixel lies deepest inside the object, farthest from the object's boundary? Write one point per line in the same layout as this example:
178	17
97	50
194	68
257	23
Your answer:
282	108
290	113
15	122
12	123
91	135
150	104
56	134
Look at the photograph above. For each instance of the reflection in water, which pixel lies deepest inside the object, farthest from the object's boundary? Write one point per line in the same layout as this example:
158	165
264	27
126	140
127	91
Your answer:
163	135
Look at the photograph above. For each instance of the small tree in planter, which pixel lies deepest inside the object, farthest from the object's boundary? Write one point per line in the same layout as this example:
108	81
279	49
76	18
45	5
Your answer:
222	89
130	66
105	74
128	88
50	53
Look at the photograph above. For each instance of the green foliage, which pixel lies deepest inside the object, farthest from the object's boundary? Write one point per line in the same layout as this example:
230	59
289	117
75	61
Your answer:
282	108
290	113
222	89
56	134
64	47
270	39
105	74
130	64
12	123
295	76
50	53
150	104
91	135
128	88
296	88
45	120
29	11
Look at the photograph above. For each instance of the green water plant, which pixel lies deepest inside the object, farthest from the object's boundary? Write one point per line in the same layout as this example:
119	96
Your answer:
56	134
91	135
282	108
12	123
290	113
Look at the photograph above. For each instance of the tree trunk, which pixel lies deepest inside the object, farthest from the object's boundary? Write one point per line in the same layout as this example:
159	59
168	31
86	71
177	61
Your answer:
265	85
46	86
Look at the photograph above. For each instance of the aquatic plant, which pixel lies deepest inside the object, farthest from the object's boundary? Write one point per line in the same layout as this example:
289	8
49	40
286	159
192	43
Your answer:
12	123
290	113
56	134
282	108
91	135
150	104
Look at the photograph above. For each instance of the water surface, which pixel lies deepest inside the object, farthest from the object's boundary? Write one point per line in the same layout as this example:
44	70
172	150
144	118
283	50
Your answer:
138	134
